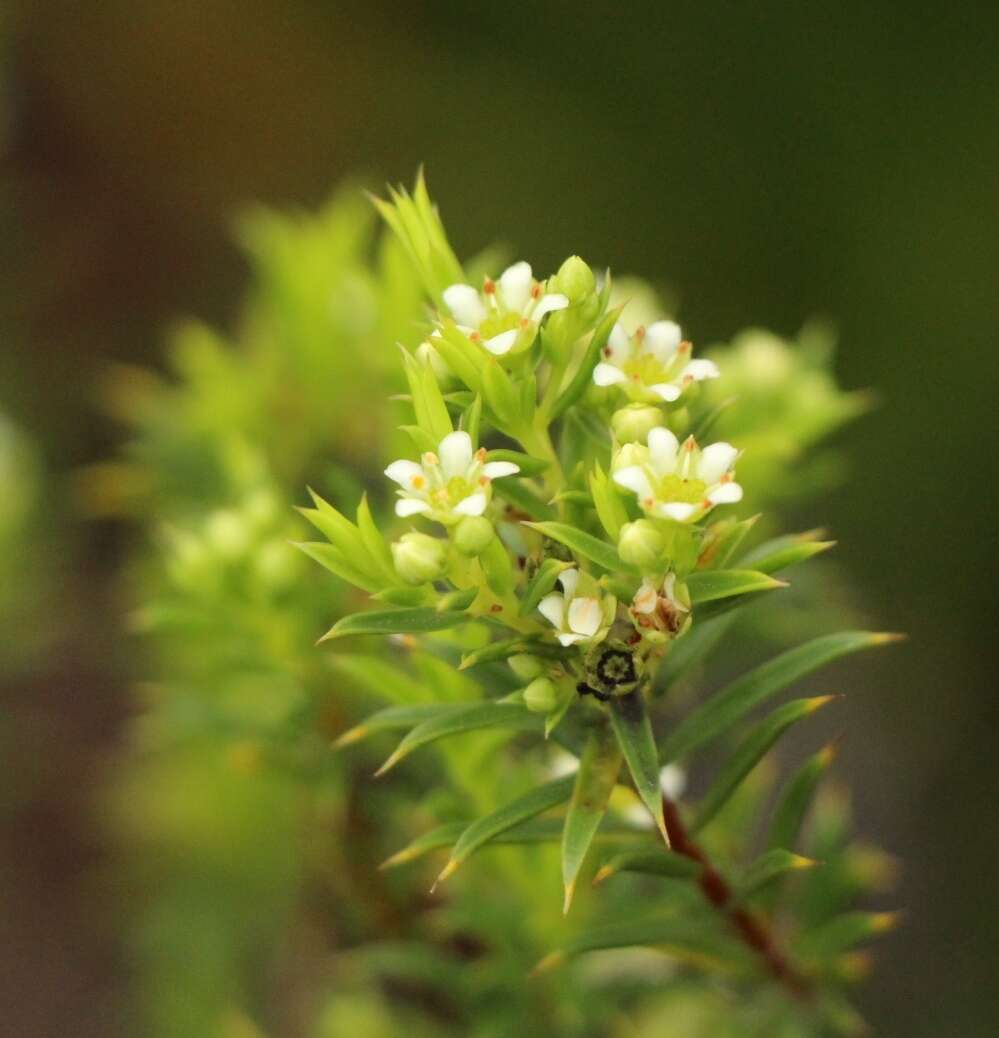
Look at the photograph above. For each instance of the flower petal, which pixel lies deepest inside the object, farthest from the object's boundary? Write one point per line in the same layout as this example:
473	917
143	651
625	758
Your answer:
474	504
725	494
404	472
570	638
584	616
634	478
645	599
499	469
548	303
456	454
618	344
701	369
502	343
552	608
515	285
663	448
661	339
465	304
716	460
569	579
608	375
678	510
407	506
667	390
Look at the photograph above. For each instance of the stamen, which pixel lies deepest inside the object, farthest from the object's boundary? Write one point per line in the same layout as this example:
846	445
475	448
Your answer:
484	481
536	290
475	337
418	482
607	351
524	322
685	347
489	286
480	455
430	458
640	333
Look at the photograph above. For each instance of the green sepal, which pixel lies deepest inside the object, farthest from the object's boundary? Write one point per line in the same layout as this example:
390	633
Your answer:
582	379
541	584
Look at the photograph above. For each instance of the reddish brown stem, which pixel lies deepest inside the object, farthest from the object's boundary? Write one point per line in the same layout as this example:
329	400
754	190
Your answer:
753	930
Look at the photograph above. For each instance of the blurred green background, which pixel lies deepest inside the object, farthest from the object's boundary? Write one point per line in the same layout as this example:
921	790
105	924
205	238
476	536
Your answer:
763	162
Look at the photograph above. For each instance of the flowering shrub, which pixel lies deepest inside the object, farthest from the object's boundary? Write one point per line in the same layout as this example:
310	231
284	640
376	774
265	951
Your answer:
535	600
574	529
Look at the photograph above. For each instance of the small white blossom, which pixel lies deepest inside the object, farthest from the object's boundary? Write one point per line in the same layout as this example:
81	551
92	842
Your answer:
449	485
504	312
653	364
578	614
678	482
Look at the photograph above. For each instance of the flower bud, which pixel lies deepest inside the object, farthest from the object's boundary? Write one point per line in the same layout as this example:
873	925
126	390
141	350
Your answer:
574	279
473	534
632	424
526	667
418	557
540	696
641	544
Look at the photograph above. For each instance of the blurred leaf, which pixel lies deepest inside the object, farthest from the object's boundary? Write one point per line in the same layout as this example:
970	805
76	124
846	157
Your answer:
597	775
634	735
395	621
541	584
695	940
749	754
727	707
789	815
464	719
768	867
658	861
488	828
394	718
520	494
783	552
529	465
725	542
844	932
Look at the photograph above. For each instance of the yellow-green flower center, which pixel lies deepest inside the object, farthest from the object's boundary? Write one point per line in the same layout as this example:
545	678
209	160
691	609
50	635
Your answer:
684	491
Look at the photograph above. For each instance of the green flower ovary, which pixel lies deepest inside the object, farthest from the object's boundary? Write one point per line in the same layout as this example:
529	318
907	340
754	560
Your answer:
675	488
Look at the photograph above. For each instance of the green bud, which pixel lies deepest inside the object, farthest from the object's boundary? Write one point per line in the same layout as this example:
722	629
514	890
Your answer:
632	423
228	532
418	557
526	667
473	534
574	279
540	696
641	544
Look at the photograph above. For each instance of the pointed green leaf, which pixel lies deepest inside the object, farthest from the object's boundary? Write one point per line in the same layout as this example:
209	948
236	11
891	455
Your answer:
725	542
541	584
518	493
379	677
471	420
484	830
595	780
749	753
465	719
697	939
331	558
610	508
503	650
374	542
582	543
394	718
783	552
538	830
634	735
713	585
657	861
789	815
500	393
724	709
416	620
582	378
768	867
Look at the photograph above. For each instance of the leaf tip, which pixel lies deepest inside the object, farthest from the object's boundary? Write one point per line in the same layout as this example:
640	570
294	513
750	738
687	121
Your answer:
883	922
570	890
449	870
548	963
349	737
392	761
603	873
888	637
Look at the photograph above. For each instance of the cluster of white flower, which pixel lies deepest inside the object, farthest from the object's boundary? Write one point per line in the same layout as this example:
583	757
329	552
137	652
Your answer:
673	483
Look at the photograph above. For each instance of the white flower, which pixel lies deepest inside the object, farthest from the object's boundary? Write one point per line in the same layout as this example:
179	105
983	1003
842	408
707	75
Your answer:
578	614
674	482
659	607
505	312
448	485
653	364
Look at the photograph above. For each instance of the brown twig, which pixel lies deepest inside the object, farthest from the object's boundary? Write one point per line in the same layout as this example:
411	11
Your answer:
753	930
